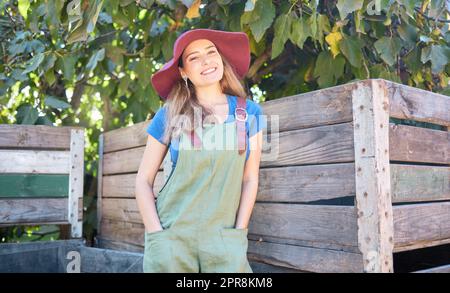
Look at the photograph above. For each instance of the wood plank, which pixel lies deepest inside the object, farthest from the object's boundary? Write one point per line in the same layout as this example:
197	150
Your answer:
415	183
126	137
297	184
36	211
35	136
121	209
317	145
373	186
326	106
96	260
440	269
416	144
33	161
117	245
124	232
33	185
408	102
123	185
305	258
100	181
421	223
76	179
126	161
263	268
328	224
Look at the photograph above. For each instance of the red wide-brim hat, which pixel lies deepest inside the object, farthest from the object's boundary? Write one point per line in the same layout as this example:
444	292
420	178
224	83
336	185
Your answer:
234	46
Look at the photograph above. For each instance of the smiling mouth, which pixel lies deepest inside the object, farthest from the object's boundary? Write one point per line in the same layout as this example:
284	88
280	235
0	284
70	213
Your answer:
209	71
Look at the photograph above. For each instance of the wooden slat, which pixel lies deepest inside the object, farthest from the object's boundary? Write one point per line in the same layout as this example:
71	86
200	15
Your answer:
421	223
306	183
126	161
124	232
317	145
118	245
100	181
408	102
326	106
35	136
305	258
33	185
123	186
34	211
76	179
126	137
32	161
121	209
373	187
414	183
328	224
416	144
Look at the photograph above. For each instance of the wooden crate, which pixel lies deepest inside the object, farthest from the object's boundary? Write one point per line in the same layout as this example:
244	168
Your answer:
41	176
346	190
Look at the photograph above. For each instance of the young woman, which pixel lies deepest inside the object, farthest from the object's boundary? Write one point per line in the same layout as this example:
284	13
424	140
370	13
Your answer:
197	222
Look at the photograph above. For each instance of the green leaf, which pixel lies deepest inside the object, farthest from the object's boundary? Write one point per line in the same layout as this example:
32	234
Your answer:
282	33
348	6
95	58
33	63
388	48
67	65
23	7
351	48
56	103
143	68
300	31
327	69
26	114
438	55
260	18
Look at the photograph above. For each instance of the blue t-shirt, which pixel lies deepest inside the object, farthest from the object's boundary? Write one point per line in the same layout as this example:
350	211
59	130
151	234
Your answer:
256	122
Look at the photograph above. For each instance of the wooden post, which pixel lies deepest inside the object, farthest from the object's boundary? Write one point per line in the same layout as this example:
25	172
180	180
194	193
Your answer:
372	175
75	211
100	181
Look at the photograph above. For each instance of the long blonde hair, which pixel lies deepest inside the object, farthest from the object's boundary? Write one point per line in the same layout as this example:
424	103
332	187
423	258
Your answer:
182	101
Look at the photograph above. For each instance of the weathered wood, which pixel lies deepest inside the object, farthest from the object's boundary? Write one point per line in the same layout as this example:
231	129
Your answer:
416	144
76	180
100	182
263	268
33	185
373	192
326	106
126	137
32	161
118	245
35	136
121	209
328	224
440	269
123	185
317	145
408	102
414	183
125	161
298	184
304	258
125	232
96	260
421	223
420	245
36	211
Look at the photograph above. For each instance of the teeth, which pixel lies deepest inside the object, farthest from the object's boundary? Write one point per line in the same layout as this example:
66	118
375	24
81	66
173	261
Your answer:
208	71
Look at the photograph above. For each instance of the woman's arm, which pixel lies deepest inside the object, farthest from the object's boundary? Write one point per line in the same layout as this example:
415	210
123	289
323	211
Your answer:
250	181
151	161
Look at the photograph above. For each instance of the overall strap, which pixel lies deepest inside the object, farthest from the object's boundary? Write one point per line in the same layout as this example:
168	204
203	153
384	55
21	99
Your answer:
241	115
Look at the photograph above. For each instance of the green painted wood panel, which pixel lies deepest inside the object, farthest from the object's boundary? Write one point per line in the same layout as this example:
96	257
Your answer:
34	185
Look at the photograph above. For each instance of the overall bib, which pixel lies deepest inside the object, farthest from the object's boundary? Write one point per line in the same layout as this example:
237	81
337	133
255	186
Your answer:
197	207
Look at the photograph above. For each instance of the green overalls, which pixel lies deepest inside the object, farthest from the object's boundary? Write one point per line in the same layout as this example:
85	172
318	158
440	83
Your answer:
197	207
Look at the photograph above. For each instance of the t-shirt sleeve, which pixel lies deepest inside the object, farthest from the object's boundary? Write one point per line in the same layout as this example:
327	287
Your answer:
157	125
257	119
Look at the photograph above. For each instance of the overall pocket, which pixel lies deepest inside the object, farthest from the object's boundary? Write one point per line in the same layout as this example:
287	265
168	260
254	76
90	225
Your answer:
236	245
157	251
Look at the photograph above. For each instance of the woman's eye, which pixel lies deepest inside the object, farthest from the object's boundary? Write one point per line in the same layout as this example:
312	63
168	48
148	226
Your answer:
192	58
212	52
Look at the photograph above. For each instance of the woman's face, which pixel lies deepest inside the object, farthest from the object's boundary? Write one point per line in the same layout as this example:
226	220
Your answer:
202	63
